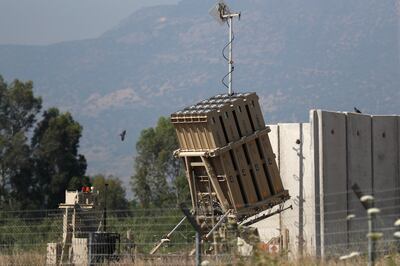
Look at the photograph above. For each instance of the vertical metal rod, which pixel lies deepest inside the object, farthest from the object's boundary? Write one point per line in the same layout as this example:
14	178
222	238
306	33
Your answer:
373	253
198	249
196	227
105	207
90	248
371	240
212	214
397	235
301	194
230	21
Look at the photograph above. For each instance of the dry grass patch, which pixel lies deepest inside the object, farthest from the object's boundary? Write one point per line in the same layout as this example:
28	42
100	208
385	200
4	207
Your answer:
23	258
36	258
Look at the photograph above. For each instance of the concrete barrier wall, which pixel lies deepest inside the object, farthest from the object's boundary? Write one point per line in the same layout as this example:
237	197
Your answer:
365	151
319	162
295	155
292	146
332	180
308	186
385	169
359	159
290	173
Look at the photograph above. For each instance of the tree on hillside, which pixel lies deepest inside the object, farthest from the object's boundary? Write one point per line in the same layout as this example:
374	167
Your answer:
18	109
158	175
55	144
36	167
116	199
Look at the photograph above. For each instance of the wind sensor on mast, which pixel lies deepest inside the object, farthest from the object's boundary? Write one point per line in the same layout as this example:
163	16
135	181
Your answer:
222	14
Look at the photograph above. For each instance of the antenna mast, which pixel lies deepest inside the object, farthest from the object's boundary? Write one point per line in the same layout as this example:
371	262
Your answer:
222	14
230	62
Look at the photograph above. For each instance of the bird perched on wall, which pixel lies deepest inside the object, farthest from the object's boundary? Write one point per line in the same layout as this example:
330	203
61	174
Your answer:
357	110
122	135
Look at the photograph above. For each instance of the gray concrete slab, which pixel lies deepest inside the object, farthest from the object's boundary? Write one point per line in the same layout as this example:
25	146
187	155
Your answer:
293	141
316	169
333	182
337	150
297	176
359	171
309	217
385	137
289	143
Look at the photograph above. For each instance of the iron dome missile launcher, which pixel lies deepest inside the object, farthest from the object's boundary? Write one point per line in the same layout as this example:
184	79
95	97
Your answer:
228	157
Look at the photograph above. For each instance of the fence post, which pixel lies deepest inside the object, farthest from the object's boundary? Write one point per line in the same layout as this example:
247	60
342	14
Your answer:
368	203
397	235
371	243
372	235
105	208
197	228
198	249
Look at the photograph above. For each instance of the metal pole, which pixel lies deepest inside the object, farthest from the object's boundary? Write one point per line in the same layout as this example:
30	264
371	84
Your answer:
397	235
217	225
105	207
198	249
166	238
370	230
265	216
372	236
197	228
301	194
230	21
368	203
212	215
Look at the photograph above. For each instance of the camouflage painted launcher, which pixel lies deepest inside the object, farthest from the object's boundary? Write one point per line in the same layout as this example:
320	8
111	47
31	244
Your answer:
228	157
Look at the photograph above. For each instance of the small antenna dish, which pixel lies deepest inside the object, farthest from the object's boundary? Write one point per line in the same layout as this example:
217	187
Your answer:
222	14
219	10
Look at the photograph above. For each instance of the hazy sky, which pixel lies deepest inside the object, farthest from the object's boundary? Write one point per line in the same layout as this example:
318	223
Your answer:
51	21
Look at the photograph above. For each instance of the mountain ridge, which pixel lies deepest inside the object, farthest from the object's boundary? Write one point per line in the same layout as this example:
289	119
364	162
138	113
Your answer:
296	55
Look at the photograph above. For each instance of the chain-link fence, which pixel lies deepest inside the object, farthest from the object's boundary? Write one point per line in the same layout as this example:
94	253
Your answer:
42	237
131	234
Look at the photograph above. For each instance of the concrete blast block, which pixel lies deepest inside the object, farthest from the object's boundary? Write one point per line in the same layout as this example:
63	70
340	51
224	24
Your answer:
359	160
385	137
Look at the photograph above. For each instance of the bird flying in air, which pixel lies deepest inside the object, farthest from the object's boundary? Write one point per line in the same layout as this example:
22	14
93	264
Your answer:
122	135
357	110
